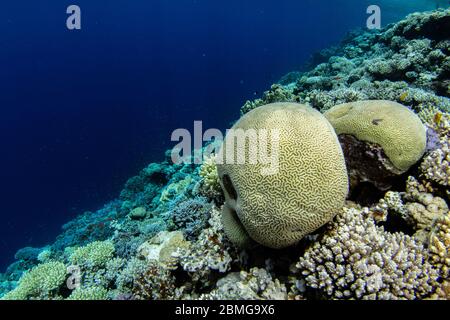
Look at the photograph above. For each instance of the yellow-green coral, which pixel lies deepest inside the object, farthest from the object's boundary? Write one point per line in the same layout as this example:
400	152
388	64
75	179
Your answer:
39	282
91	293
211	183
392	126
311	185
95	254
427	114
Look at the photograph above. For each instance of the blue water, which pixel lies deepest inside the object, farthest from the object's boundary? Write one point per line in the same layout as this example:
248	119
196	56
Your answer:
82	111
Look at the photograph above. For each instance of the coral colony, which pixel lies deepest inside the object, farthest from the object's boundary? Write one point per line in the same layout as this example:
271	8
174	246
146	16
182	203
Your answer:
360	196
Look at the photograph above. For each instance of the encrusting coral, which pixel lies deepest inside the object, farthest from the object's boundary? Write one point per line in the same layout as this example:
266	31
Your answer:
280	208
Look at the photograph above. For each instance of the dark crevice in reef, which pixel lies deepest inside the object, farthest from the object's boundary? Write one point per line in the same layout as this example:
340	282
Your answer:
395	223
365	194
280	259
367	164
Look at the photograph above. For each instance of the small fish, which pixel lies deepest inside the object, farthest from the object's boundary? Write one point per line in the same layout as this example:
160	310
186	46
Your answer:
438	118
403	96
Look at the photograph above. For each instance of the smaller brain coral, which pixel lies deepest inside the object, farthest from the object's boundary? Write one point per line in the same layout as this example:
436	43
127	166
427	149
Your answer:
277	210
394	127
40	282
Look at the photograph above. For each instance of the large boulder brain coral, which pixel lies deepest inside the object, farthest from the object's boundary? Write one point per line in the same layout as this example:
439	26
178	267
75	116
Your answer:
277	210
380	138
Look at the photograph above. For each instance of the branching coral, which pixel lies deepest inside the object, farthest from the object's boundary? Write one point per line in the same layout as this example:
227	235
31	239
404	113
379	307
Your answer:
357	259
436	165
41	282
94	255
210	179
417	207
440	245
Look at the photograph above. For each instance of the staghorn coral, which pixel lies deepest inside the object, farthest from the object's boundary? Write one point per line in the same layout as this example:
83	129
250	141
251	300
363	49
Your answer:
442	292
279	208
357	259
256	284
435	167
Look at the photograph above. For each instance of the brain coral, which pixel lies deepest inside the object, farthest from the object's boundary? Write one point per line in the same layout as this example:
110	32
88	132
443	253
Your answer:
391	125
278	210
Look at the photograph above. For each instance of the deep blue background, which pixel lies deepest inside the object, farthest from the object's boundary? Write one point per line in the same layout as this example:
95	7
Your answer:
82	111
